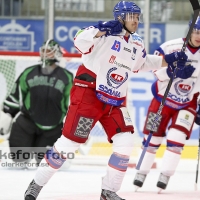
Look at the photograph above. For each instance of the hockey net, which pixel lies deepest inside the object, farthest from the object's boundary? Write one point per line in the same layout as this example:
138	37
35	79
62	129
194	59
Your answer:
97	150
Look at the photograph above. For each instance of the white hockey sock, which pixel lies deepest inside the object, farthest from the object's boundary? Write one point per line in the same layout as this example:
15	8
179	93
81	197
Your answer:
44	173
170	162
113	179
118	163
147	162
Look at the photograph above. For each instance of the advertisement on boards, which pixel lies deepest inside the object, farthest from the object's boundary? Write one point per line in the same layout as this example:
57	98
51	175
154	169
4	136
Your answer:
28	35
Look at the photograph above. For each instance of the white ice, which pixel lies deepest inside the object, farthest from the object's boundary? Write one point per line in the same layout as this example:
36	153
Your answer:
84	183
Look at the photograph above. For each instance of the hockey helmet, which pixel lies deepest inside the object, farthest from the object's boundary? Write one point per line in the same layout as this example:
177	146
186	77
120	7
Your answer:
50	52
197	24
124	8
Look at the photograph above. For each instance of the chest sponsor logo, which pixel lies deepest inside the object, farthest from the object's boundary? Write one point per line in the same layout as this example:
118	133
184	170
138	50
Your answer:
118	64
178	98
134	53
112	59
110	91
126	49
115	80
183	89
116	46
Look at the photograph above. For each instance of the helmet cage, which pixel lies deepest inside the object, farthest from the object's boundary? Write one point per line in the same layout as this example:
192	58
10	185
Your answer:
132	17
50	52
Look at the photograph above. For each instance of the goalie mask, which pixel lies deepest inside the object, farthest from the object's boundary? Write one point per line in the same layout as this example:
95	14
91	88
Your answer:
50	52
125	11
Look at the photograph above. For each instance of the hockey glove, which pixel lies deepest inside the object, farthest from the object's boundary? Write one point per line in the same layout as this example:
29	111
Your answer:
182	71
197	120
175	56
112	27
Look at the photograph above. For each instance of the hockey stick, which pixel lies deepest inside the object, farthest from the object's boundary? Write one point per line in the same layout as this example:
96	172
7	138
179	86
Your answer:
197	170
196	8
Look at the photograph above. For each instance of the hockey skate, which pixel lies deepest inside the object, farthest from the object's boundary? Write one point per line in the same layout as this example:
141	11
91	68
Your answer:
139	180
162	182
33	191
109	195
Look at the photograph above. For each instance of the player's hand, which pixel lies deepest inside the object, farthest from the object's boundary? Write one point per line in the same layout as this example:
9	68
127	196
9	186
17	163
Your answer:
197	120
175	56
112	27
182	71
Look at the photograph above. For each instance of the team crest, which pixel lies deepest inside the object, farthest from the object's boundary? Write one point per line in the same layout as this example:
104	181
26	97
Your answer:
115	80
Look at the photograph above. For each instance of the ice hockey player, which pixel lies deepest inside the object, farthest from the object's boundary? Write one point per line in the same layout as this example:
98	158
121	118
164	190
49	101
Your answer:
180	108
109	55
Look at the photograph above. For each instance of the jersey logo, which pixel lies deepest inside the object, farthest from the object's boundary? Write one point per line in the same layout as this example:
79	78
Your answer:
134	53
137	37
112	59
144	53
115	80
116	46
118	64
184	88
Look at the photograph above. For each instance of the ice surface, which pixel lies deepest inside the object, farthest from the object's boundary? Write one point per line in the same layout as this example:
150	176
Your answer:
84	183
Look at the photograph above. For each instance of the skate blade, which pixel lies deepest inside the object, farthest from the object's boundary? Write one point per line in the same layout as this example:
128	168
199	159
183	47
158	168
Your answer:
136	188
159	190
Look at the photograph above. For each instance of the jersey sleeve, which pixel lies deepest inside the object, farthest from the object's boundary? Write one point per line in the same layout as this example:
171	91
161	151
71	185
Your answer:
161	74
85	40
151	63
159	52
14	101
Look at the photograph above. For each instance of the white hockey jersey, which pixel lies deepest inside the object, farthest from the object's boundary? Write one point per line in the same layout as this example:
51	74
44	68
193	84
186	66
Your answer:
182	91
112	59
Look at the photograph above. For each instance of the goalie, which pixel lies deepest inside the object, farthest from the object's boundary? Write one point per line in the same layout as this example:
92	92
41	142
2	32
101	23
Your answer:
37	105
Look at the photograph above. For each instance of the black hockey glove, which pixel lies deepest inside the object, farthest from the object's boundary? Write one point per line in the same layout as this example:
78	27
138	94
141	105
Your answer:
112	27
182	71
197	120
175	56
